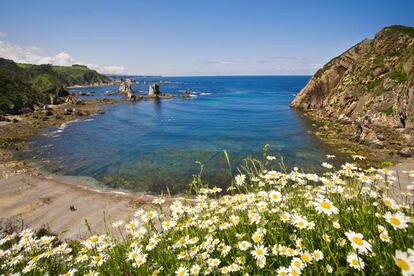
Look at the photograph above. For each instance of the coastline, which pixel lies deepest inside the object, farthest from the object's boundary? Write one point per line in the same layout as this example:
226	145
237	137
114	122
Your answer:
93	85
39	200
343	137
34	199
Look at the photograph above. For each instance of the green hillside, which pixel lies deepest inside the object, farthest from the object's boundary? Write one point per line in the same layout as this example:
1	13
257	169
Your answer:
23	85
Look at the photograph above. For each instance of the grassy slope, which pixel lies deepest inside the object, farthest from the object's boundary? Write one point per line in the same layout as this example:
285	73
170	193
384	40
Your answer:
23	85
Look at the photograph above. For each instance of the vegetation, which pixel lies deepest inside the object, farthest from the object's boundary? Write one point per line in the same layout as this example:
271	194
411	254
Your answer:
398	75
403	29
388	110
268	222
23	85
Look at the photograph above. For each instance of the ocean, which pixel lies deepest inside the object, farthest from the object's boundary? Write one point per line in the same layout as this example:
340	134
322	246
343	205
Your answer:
153	146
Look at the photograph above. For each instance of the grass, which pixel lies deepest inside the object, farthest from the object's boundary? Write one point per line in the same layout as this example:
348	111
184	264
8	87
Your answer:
378	61
398	75
268	222
402	29
388	110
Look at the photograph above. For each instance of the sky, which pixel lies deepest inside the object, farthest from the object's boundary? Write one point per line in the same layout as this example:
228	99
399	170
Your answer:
192	37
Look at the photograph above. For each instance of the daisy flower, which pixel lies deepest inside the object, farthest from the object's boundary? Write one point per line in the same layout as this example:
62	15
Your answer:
282	271
327	165
397	220
195	269
240	178
358	242
390	203
181	271
355	261
244	245
317	255
259	252
275	196
405	262
325	206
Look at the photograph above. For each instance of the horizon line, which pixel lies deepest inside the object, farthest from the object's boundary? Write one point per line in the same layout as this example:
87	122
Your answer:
233	75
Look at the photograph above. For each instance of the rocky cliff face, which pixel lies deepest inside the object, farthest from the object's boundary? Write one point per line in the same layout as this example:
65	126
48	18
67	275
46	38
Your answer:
370	85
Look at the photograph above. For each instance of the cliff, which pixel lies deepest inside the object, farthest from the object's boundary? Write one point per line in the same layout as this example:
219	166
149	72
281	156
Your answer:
24	85
370	86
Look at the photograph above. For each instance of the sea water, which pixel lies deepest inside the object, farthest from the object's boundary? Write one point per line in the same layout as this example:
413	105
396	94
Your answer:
151	145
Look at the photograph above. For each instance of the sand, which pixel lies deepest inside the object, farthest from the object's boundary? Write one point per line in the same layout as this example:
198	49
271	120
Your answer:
45	201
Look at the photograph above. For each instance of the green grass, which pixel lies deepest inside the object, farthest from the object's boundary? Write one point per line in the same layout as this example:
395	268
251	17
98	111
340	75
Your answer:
378	61
23	85
402	29
398	75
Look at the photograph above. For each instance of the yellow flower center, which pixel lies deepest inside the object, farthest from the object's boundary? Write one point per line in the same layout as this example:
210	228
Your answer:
403	264
325	205
259	251
358	241
306	258
134	255
93	239
355	262
387	203
181	273
297	263
301	224
395	221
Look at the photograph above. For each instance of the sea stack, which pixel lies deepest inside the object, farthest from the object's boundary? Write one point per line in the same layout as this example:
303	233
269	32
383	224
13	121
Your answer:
125	87
154	90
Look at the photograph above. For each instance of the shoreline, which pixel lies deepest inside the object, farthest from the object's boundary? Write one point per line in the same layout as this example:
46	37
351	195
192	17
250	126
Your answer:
342	137
38	199
93	85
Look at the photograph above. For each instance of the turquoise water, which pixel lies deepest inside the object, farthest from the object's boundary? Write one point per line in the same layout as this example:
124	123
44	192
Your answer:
149	145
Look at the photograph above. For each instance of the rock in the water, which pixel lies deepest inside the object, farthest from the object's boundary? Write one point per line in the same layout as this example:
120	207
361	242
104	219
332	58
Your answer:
405	152
125	87
154	90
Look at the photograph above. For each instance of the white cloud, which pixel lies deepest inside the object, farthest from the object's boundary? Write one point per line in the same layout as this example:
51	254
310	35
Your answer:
2	34
32	55
114	69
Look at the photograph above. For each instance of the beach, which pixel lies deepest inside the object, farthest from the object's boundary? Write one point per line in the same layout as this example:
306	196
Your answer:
44	201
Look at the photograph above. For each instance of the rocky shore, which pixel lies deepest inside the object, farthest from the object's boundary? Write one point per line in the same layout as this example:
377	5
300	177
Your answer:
363	100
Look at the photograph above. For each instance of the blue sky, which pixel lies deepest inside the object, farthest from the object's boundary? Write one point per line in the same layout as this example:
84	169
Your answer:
192	37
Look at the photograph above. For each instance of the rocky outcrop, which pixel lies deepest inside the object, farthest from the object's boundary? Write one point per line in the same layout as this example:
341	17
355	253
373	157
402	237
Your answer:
370	85
125	88
154	90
